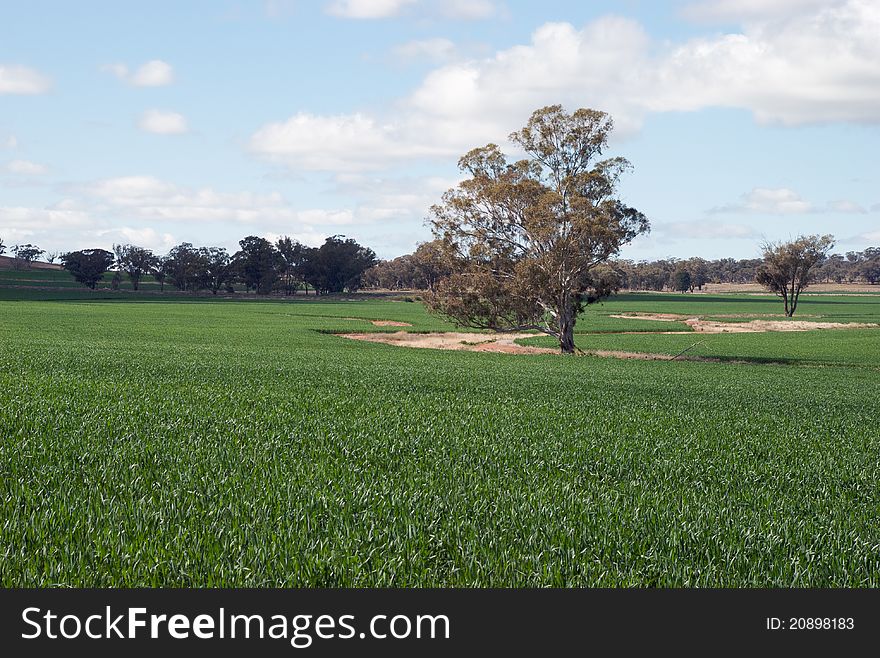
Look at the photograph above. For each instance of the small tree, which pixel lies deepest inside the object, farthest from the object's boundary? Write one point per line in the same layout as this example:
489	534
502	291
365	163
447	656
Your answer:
2	247
135	261
524	240
25	254
87	266
787	266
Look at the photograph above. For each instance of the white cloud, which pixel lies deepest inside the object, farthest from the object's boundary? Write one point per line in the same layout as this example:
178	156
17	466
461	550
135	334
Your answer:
150	199
22	80
743	11
349	142
11	143
368	9
27	221
162	122
436	49
847	206
157	213
784	201
769	201
26	168
154	73
468	9
142	237
816	65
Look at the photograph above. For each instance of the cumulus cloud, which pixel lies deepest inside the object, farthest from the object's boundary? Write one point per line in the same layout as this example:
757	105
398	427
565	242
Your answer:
367	9
154	73
22	80
811	66
143	237
743	11
157	213
150	199
26	168
467	10
347	142
784	201
19	221
769	201
846	206
163	122
436	49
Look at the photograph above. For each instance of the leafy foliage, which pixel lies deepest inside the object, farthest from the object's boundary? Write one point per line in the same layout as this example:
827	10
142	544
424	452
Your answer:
338	265
257	264
524	240
135	261
88	266
788	266
25	254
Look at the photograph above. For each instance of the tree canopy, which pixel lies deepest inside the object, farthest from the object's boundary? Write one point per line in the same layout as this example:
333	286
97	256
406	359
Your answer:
524	240
788	266
257	263
88	266
135	261
25	254
338	265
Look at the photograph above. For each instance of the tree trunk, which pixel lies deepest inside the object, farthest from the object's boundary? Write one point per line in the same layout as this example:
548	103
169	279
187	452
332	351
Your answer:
566	331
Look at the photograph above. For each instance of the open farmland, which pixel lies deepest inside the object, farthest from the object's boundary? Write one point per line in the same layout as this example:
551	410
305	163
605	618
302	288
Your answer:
215	443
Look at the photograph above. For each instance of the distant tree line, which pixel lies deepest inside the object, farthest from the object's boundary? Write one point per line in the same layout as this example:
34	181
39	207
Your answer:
22	254
262	266
422	269
342	265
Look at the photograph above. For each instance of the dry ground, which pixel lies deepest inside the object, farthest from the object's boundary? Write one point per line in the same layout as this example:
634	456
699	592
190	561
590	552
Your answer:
506	342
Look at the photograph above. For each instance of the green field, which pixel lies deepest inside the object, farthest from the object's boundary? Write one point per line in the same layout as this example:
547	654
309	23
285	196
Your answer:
221	443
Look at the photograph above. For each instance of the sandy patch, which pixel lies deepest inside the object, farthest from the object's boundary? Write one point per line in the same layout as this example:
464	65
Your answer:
699	325
506	342
381	323
660	317
452	340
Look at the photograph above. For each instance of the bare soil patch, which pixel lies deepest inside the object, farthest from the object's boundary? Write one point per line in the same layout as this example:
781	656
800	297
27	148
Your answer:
451	340
381	323
699	325
506	343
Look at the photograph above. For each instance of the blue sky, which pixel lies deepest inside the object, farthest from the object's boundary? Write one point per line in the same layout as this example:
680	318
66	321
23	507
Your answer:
162	122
